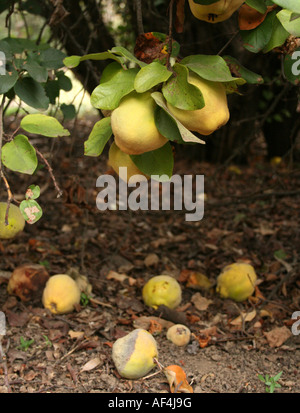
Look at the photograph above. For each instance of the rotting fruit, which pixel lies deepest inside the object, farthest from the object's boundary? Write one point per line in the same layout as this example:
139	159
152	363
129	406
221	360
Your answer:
236	281
213	115
61	294
179	334
215	12
27	281
162	290
118	159
134	354
133	124
16	222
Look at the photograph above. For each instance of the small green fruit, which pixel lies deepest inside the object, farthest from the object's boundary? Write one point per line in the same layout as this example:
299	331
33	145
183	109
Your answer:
16	222
236	281
162	290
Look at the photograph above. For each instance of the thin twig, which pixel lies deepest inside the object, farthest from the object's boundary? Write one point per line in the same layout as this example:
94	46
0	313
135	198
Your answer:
50	170
170	39
139	16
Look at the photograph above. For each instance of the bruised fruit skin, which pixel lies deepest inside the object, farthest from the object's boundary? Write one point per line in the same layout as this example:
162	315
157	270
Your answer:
216	12
133	124
179	334
118	159
16	222
28	281
162	290
213	115
133	354
236	281
61	294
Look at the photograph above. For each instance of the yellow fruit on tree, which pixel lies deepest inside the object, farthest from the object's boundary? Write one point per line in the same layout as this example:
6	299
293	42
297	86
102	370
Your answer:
61	294
236	281
215	12
133	124
118	159
213	115
134	354
162	290
16	222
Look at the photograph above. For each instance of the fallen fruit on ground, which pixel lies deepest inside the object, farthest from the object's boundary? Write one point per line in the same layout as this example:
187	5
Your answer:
215	12
133	124
162	290
179	334
118	159
61	294
28	281
16	222
236	281
213	115
134	354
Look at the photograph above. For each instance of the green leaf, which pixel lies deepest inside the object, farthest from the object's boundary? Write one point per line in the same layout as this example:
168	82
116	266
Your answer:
98	137
292	5
257	5
187	136
281	254
291	26
159	162
150	76
261	377
31	93
52	90
33	192
180	93
69	111
64	82
209	67
278	36
167	125
119	50
52	58
31	211
242	72
8	81
73	61
278	375
43	125
108	94
19	155
256	39
6	49
36	71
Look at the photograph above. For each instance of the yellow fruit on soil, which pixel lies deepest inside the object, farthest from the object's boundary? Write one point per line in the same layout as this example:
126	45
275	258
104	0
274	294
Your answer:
133	124
179	334
213	115
118	159
61	294
216	12
162	290
236	281
134	354
16	222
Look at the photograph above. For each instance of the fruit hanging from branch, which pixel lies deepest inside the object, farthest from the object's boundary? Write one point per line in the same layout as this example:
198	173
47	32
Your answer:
215	12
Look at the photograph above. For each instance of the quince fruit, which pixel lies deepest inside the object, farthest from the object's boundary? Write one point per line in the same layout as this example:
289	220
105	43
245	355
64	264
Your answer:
213	115
16	222
216	12
236	281
162	290
118	159
133	124
61	294
134	354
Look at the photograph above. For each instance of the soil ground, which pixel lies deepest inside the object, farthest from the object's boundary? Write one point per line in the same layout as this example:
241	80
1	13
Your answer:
251	213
